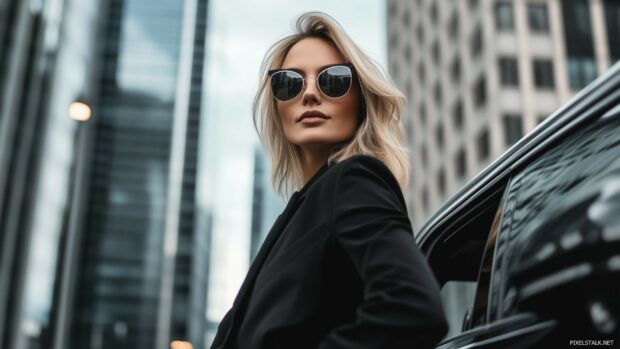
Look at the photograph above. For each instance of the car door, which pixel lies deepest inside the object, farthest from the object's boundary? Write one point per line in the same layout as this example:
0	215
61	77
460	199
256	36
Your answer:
520	250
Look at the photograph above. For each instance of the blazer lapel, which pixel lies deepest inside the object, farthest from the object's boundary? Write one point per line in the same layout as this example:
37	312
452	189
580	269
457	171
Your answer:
243	295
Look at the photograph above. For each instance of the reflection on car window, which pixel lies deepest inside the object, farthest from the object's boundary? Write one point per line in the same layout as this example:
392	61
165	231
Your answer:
479	310
458	297
580	164
459	257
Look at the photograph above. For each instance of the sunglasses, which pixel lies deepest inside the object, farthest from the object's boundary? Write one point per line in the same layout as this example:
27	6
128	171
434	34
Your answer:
334	81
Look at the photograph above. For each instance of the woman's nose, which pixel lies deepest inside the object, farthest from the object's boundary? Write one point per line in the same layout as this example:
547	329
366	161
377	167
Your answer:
311	92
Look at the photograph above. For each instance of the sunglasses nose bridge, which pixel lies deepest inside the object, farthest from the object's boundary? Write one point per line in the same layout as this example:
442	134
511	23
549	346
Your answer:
316	80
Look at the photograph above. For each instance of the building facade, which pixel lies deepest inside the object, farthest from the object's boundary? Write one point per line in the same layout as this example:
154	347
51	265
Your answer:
101	244
143	267
478	74
46	60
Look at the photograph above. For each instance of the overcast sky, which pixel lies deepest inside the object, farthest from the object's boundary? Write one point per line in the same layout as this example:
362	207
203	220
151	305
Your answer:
239	34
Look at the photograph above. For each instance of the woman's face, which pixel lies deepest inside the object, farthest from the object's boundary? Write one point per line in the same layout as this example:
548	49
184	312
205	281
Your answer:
310	55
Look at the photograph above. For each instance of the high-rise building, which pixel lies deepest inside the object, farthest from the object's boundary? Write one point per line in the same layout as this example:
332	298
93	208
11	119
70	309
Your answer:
479	74
266	204
46	60
142	276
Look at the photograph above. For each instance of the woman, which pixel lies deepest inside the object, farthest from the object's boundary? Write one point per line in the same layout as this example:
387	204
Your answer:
340	267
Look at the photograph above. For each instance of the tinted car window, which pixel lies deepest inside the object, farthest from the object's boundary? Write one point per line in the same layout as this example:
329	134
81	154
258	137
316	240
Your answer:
573	169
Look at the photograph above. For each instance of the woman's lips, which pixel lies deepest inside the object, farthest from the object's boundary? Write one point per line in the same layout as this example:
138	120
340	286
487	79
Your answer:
315	114
312	120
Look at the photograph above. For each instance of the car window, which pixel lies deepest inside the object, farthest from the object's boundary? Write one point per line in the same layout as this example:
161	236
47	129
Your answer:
570	170
461	261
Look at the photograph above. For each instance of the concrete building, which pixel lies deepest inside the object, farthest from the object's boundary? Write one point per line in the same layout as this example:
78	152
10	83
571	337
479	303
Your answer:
478	74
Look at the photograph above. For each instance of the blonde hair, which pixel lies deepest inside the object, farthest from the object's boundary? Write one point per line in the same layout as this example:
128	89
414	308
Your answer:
379	133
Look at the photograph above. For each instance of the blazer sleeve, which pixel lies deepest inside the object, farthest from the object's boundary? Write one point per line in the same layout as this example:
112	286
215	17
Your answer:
402	305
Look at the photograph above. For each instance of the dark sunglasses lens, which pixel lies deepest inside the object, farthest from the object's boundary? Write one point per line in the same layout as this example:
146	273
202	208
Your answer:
286	85
335	81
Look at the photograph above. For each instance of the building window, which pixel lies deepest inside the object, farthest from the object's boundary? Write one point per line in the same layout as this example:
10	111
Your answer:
441	182
425	202
456	69
409	88
421	73
541	118
476	42
393	40
422	114
581	71
480	93
406	19
407	50
420	34
392	10
434	13
454	27
504	16
473	5
436	53
612	23
543	73
437	93
461	164
483	145
457	115
538	18
513	129
423	155
394	69
439	136
508	72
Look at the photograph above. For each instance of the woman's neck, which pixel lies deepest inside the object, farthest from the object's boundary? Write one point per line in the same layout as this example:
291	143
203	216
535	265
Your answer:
314	157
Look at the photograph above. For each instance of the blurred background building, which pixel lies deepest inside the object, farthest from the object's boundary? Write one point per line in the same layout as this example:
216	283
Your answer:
101	246
478	75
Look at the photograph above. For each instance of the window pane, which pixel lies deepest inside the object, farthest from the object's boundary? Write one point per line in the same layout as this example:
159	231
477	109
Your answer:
509	75
461	164
513	129
480	92
457	115
504	18
543	73
538	18
581	71
483	145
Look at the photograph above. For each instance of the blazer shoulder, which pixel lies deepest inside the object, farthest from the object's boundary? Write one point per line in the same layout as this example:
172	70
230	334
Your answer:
359	164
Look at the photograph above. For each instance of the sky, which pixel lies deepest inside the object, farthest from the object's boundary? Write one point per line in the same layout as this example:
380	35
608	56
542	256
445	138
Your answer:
239	34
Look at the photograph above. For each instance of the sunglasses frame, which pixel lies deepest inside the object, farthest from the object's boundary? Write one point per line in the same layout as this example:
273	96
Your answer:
270	73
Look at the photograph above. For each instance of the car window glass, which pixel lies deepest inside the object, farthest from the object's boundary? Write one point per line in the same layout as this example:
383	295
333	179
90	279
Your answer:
457	297
572	169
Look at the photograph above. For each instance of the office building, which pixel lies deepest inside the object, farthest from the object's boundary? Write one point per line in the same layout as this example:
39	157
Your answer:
101	242
479	74
142	276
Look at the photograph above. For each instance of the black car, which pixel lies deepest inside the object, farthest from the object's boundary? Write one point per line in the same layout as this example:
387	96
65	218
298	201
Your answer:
529	250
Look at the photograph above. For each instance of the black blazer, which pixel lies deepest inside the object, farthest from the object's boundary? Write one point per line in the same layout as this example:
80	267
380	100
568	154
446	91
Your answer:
339	269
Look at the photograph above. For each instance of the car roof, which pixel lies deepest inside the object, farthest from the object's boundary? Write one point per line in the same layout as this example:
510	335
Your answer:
598	97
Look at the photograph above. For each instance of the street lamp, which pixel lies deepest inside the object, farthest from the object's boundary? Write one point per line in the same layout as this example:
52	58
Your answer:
80	111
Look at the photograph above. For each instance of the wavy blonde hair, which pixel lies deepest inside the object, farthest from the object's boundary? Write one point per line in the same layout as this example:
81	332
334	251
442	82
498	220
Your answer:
379	133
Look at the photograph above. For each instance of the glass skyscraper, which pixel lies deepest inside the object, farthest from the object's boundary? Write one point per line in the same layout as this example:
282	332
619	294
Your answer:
143	267
100	243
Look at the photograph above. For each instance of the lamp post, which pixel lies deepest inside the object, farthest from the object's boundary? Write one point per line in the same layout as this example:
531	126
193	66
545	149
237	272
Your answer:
80	111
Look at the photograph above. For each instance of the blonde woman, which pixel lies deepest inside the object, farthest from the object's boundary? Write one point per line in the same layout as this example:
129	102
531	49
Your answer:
340	267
